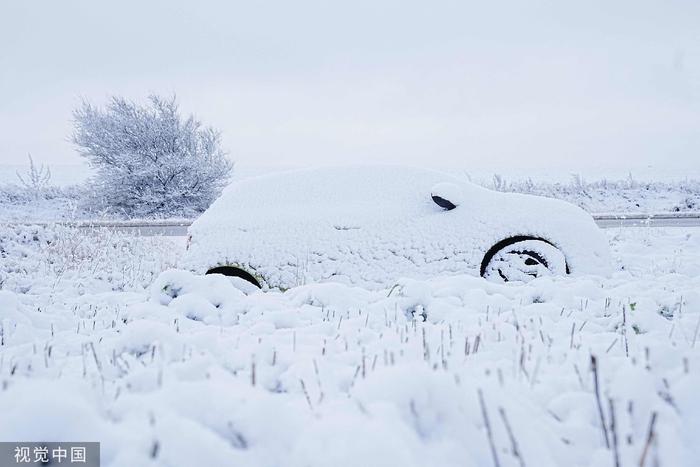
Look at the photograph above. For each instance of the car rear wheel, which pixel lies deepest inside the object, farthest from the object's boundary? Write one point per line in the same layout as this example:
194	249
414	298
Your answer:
523	259
232	271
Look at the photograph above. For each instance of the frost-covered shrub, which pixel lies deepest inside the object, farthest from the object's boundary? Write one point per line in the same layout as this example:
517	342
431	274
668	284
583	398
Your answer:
35	180
602	196
15	195
35	196
56	204
691	203
42	258
150	161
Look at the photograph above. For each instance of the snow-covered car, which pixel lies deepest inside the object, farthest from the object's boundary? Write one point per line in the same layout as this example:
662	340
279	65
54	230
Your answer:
372	225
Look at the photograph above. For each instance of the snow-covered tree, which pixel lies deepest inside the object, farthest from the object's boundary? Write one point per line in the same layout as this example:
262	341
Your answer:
150	161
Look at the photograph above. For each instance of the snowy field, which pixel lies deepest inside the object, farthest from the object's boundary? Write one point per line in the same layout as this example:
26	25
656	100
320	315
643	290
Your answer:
101	341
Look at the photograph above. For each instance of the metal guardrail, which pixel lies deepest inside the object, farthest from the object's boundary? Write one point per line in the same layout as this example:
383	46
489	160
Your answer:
112	223
666	219
662	215
178	227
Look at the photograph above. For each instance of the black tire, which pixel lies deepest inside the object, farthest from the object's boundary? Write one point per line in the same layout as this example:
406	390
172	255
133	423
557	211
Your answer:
523	259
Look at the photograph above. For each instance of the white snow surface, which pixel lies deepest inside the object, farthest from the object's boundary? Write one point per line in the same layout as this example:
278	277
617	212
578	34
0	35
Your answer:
368	226
191	370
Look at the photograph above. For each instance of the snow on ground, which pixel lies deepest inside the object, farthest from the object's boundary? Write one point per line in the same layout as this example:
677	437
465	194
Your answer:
174	369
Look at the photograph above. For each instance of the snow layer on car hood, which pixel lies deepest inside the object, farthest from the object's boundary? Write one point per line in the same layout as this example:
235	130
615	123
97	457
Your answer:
370	225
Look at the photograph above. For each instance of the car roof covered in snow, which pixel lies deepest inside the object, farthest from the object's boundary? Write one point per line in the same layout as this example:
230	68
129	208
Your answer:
356	192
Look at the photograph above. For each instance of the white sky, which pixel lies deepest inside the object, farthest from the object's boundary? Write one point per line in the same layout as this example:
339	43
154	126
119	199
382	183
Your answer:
453	83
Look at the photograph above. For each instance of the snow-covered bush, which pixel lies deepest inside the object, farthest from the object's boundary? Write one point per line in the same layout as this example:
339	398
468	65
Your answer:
604	196
150	161
35	180
34	196
42	258
55	203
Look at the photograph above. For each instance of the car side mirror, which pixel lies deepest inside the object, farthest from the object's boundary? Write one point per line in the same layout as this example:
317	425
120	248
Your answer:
446	195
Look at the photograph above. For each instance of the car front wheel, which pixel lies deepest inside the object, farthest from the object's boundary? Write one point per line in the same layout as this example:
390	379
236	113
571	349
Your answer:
523	259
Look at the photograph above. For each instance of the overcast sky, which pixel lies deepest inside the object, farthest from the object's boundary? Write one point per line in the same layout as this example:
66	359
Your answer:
452	83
